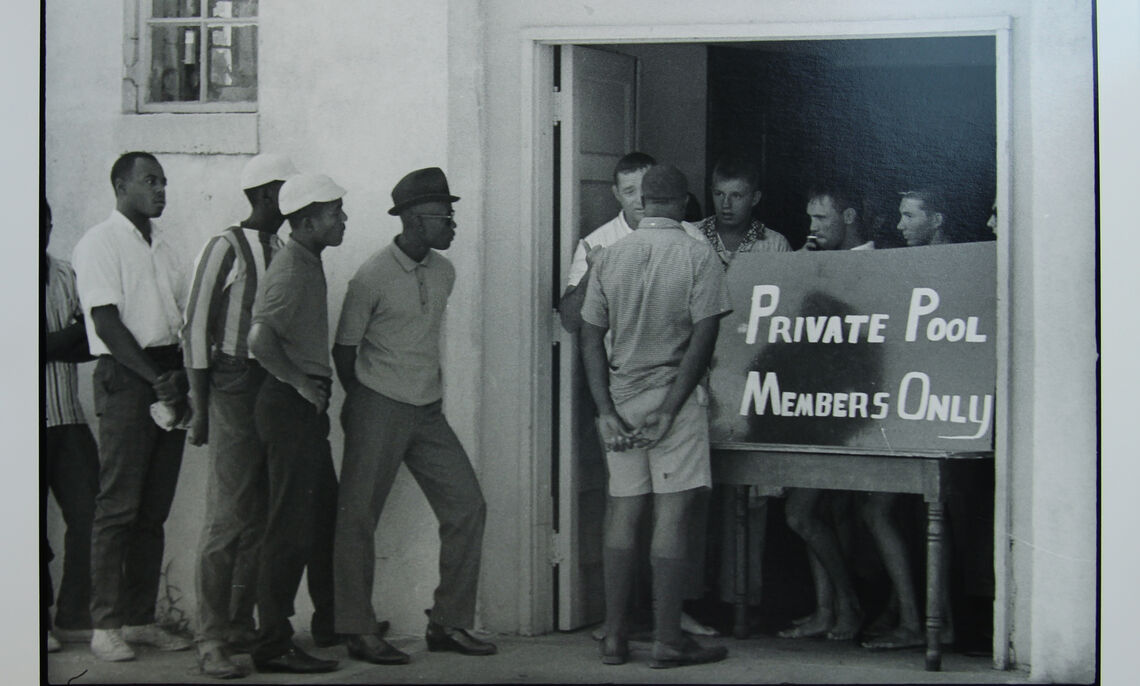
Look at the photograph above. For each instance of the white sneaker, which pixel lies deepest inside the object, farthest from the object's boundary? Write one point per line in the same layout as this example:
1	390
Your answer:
154	635
53	644
108	645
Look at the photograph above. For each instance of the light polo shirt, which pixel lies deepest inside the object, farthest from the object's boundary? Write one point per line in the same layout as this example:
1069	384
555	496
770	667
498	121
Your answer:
114	265
606	235
392	314
292	300
650	288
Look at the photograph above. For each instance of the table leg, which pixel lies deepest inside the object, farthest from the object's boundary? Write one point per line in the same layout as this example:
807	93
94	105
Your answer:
935	534
740	578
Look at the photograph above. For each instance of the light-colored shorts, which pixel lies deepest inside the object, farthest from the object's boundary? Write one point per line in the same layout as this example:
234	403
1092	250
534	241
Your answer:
679	461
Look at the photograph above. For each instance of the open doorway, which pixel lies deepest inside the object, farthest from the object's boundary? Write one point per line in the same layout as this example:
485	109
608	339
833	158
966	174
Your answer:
890	114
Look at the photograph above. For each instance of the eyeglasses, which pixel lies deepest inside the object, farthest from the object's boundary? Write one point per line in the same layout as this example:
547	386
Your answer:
450	216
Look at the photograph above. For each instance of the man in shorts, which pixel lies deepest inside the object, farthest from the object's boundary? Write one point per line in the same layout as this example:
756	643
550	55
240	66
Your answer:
661	292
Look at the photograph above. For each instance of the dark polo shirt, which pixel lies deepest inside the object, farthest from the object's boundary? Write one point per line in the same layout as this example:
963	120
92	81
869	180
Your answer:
292	299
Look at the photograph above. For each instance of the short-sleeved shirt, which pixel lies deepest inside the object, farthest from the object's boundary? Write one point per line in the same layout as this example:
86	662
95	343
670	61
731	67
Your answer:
650	288
61	382
392	314
220	308
292	300
605	235
114	265
758	238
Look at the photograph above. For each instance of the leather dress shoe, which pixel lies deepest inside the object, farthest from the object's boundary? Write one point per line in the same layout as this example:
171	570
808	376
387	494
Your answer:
323	640
444	639
295	661
372	648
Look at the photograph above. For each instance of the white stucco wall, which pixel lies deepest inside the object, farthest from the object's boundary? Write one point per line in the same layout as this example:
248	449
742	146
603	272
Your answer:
358	90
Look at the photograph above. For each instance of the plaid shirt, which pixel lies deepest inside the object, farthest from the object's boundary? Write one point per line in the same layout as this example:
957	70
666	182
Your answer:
758	238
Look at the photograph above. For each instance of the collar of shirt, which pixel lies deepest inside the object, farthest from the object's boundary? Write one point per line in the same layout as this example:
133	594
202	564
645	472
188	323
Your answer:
659	223
755	233
302	252
624	223
407	263
121	223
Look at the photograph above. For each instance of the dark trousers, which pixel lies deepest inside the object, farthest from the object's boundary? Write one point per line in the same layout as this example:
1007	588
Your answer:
380	434
236	494
302	509
138	472
69	463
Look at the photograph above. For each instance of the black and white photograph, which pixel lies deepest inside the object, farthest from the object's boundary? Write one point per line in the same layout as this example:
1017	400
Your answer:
827	275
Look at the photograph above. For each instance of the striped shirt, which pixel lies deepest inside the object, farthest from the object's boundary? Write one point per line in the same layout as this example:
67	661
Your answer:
219	312
61	382
651	288
758	238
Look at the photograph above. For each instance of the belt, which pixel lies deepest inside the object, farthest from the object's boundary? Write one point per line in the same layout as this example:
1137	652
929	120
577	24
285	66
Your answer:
226	358
166	357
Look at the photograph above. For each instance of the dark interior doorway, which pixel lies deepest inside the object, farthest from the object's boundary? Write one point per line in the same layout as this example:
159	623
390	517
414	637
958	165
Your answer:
882	115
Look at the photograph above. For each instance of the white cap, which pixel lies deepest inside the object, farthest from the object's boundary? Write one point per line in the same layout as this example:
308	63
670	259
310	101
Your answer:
303	190
266	168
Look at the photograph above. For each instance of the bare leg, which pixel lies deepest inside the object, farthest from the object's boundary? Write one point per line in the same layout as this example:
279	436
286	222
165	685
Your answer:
837	608
799	511
877	513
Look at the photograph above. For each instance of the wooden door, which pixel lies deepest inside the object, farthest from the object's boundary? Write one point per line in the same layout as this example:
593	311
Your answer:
597	108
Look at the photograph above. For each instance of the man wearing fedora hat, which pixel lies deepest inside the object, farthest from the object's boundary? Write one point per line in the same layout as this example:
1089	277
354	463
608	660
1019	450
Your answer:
289	338
387	356
662	294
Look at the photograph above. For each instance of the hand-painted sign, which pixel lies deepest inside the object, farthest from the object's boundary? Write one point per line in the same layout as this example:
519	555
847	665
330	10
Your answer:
882	349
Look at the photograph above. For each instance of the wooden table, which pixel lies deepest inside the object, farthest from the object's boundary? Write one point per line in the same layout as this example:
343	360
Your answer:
771	466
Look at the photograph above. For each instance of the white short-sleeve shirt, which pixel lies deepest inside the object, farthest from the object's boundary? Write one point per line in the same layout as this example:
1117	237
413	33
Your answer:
114	265
606	235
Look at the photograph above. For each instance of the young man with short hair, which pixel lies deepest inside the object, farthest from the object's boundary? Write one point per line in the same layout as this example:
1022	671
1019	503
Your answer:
289	338
838	616
387	355
132	288
922	218
836	223
224	381
732	229
662	294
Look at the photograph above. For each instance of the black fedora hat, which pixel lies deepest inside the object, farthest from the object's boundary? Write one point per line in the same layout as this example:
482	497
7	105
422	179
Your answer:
420	186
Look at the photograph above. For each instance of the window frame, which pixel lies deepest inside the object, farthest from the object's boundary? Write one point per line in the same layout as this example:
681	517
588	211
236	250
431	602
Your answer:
137	61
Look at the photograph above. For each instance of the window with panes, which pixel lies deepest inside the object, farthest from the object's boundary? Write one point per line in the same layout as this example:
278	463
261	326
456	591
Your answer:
198	56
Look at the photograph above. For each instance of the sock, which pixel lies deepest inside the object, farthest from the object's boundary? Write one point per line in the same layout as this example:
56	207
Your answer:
618	576
669	577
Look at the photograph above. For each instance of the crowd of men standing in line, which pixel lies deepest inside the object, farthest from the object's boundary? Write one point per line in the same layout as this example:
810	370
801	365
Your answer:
238	357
